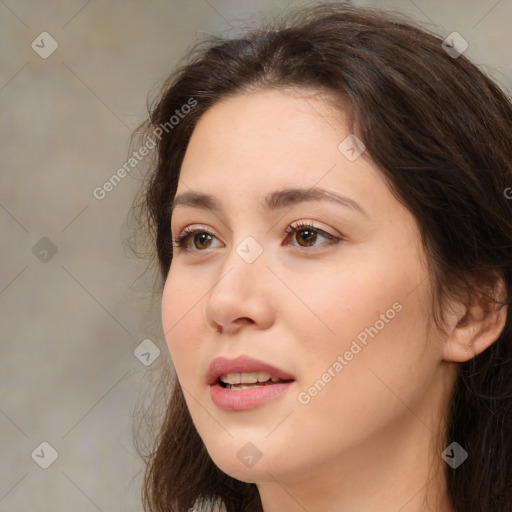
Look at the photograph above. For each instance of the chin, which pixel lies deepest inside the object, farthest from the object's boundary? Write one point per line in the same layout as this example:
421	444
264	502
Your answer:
235	469
237	463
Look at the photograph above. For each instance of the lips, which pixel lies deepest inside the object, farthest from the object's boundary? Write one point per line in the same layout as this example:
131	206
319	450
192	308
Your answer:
243	364
242	397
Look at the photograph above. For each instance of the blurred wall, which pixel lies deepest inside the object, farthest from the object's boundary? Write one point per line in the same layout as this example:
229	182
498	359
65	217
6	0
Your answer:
74	77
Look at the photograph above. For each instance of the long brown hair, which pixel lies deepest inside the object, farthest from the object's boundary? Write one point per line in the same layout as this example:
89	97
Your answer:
441	133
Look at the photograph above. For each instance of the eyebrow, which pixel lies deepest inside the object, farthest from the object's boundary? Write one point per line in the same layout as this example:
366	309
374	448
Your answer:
277	200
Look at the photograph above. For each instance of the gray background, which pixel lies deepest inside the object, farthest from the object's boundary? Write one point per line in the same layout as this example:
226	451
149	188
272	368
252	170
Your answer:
70	321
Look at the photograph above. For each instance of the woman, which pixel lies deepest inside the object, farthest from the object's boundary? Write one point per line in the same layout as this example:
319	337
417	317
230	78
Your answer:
330	192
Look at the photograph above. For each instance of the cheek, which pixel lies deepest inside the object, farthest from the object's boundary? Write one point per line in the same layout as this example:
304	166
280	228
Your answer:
380	349
181	321
374	317
338	302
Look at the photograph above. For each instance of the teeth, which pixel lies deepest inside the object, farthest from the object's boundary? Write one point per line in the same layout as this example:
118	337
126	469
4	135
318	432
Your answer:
263	376
231	378
247	378
242	386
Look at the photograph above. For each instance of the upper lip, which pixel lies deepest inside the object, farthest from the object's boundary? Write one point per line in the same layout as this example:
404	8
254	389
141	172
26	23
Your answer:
242	364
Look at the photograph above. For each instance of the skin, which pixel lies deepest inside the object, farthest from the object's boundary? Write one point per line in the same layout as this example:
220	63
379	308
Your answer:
367	441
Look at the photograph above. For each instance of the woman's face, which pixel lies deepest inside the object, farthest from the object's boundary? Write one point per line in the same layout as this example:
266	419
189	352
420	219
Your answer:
339	306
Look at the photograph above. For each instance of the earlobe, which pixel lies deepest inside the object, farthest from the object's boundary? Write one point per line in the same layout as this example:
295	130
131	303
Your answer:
476	327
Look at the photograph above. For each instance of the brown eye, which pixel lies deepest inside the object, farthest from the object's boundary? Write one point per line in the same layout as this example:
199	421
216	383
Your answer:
309	237
202	240
194	240
306	235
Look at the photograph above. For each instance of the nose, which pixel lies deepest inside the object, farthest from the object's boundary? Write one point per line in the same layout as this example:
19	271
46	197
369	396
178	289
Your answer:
241	296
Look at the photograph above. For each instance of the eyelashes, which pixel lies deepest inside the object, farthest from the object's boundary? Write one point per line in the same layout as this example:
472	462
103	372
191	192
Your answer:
187	235
300	227
182	240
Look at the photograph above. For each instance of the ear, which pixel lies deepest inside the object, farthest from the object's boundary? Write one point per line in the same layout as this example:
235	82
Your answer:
476	325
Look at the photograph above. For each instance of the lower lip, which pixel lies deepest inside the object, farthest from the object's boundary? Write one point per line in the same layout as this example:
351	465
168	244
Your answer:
240	400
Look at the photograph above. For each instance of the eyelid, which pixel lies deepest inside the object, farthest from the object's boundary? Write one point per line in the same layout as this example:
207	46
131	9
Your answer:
301	224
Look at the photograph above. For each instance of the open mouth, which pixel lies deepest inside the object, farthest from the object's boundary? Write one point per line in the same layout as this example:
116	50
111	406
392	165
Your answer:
240	381
245	383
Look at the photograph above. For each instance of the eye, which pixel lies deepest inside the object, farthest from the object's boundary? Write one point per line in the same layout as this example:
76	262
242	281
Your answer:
309	235
201	238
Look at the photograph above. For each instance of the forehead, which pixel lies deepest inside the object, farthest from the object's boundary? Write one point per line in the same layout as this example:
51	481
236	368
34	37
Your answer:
271	111
248	146
263	132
